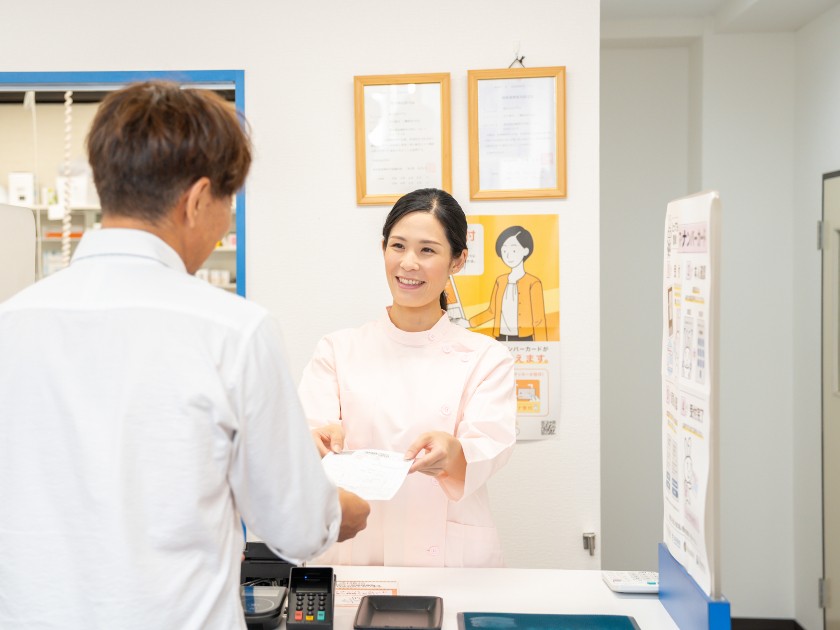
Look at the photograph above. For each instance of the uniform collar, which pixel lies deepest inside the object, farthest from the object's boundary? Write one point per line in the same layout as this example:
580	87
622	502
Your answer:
422	338
127	242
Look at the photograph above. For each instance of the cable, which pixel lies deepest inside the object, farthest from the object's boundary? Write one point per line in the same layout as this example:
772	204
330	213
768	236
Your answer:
68	136
29	104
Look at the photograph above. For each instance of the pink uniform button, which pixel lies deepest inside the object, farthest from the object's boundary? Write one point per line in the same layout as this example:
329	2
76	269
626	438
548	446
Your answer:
444	409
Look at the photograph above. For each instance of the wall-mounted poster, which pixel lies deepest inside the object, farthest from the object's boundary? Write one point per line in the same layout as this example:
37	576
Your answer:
509	289
403	135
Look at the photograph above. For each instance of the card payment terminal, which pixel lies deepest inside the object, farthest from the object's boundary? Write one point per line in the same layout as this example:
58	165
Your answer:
311	598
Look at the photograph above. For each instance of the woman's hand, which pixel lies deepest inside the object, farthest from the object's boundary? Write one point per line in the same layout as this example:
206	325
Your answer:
444	455
329	438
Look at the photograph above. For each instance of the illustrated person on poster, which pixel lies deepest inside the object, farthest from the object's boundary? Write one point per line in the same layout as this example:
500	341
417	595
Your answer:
516	304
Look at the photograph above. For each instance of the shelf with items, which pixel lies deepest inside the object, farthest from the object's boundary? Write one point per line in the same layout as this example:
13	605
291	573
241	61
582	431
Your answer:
220	267
50	229
81	218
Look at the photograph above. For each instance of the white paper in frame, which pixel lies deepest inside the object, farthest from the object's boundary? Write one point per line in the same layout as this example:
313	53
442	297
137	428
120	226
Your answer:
517	129
403	135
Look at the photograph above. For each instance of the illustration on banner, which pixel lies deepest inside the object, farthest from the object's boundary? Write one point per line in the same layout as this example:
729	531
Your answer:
509	289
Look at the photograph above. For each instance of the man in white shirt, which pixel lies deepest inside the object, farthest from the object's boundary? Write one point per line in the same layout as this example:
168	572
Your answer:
142	411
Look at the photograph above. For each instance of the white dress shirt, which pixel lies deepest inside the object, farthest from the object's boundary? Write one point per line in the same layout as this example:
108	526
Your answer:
141	411
387	386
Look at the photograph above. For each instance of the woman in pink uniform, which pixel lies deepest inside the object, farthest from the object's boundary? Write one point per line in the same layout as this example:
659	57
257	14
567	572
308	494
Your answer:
414	382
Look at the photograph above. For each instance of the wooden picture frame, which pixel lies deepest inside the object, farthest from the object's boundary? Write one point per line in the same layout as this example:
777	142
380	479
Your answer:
517	132
403	135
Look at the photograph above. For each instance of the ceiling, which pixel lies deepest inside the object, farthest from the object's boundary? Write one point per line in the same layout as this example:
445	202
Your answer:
749	16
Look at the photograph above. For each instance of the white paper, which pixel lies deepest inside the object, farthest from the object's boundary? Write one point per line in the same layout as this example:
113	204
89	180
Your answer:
688	422
517	134
372	474
350	593
403	144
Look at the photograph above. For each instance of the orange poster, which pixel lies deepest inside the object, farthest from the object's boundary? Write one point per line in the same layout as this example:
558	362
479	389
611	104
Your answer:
509	289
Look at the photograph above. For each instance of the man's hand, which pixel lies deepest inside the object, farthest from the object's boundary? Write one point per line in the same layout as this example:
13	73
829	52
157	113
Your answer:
444	455
354	514
329	438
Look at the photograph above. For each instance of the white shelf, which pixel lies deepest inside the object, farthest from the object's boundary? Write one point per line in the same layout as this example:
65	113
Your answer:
43	207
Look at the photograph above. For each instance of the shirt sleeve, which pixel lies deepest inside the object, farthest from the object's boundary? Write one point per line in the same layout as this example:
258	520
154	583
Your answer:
278	483
487	429
318	390
490	312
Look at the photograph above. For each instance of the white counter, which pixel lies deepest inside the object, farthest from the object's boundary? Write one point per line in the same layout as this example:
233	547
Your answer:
509	590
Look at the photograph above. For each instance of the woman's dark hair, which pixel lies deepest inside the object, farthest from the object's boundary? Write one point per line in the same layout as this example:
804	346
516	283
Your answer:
151	141
443	207
522	235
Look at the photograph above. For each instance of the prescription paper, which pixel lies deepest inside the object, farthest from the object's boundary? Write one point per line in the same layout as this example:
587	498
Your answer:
373	474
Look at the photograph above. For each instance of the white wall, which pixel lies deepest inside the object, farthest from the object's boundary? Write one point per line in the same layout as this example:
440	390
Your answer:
817	152
313	256
644	164
748	155
763	127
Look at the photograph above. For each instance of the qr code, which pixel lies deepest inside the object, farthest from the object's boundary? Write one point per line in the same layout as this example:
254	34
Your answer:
548	427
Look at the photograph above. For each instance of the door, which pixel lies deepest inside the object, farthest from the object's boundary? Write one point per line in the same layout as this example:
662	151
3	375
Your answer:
831	397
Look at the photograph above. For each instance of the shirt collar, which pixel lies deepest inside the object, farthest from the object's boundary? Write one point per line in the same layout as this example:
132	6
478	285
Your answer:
422	338
127	242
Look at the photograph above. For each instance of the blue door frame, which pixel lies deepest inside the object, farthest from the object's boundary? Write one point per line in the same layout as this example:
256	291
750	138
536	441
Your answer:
110	79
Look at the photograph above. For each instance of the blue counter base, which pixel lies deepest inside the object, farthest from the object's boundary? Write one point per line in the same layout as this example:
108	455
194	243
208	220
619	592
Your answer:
685	601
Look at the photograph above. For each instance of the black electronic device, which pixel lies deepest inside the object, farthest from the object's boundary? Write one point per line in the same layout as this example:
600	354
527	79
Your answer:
311	598
261	564
262	605
264	579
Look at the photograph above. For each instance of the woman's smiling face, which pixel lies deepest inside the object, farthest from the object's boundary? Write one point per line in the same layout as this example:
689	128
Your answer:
418	261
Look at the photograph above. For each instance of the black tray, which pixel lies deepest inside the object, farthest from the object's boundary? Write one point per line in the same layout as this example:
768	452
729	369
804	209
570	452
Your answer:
399	612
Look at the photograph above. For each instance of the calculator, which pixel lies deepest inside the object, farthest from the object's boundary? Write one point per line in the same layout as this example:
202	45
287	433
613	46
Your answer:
632	581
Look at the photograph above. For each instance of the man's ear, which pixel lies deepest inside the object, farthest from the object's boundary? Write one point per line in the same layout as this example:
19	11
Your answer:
196	197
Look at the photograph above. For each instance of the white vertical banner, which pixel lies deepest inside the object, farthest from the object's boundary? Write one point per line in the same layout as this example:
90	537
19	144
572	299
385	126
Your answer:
690	318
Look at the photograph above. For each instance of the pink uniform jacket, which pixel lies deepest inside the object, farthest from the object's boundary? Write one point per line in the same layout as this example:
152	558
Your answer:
387	386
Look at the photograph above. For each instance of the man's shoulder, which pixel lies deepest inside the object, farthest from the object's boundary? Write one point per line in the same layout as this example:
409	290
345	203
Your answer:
206	301
165	292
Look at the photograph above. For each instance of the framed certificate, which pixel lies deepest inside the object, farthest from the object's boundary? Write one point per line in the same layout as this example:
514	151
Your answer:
403	135
517	128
